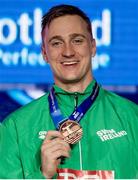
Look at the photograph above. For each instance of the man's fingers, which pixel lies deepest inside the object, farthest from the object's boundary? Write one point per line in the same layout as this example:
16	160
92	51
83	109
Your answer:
53	134
54	145
53	148
60	153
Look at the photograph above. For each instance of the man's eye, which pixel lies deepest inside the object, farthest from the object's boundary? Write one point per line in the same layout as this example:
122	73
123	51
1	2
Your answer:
56	43
78	41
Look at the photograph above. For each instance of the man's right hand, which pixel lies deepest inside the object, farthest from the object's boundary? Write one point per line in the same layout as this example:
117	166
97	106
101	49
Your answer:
52	149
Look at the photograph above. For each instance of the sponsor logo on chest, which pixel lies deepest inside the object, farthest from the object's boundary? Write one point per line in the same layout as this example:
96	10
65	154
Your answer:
106	135
42	134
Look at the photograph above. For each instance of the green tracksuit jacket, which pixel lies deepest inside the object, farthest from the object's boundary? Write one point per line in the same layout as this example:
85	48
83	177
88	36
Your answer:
109	142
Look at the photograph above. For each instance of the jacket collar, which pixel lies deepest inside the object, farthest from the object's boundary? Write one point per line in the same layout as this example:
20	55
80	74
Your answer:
88	89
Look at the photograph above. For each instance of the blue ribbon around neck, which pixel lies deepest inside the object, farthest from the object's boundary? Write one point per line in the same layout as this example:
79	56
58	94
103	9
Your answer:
77	114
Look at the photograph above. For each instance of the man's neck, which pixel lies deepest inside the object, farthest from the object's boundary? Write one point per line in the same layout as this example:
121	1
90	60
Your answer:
74	87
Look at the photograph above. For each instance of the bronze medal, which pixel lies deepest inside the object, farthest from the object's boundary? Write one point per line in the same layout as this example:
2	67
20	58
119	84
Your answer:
71	131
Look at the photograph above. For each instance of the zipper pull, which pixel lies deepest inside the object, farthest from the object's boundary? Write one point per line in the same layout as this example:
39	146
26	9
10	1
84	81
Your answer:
76	100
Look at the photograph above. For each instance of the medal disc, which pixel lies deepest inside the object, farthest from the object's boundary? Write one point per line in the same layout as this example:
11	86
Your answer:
71	131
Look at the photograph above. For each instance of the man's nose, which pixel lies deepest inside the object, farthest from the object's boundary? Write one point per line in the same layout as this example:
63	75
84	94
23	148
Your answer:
68	51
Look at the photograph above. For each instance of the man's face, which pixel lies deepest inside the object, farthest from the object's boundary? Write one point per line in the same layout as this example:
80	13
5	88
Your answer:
68	48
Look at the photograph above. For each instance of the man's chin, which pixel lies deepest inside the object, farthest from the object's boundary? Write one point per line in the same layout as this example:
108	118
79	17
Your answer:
71	80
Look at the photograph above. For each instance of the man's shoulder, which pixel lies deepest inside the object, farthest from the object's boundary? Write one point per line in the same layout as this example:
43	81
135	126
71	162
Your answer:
119	101
30	109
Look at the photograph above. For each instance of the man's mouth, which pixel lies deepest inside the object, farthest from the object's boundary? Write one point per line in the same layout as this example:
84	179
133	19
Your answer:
67	63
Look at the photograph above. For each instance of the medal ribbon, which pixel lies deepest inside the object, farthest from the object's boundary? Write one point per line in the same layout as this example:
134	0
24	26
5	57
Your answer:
77	114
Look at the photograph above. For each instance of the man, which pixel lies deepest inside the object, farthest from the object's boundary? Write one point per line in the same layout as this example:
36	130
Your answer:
78	129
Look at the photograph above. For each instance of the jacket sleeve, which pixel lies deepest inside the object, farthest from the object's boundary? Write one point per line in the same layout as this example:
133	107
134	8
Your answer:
10	164
10	161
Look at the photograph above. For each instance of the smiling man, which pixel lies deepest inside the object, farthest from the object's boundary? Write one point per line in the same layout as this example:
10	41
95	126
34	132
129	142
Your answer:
68	46
78	129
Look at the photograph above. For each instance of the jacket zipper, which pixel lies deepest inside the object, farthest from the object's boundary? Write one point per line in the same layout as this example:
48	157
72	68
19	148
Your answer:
76	100
80	149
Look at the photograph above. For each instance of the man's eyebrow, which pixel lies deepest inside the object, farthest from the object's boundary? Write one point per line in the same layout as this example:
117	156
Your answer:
77	34
54	38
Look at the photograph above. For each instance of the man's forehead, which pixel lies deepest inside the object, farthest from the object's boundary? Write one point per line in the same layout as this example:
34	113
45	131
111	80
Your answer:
67	20
66	24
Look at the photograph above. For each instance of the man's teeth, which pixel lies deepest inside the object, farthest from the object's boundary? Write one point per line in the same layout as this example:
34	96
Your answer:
69	63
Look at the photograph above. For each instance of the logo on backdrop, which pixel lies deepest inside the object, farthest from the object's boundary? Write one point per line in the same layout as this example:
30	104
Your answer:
18	31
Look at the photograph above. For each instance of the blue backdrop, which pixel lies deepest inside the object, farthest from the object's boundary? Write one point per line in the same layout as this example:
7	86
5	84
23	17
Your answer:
115	28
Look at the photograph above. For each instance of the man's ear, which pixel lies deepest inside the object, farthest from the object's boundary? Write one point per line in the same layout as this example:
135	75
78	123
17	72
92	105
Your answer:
44	54
93	47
